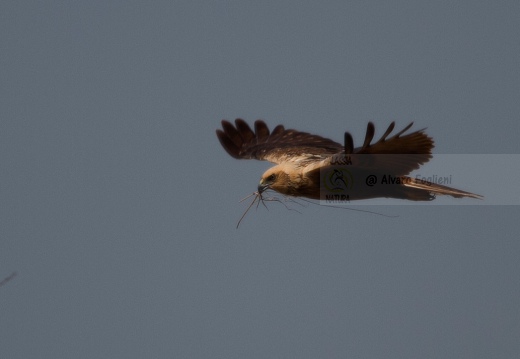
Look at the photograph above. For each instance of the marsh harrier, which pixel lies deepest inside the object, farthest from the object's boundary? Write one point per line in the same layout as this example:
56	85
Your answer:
315	167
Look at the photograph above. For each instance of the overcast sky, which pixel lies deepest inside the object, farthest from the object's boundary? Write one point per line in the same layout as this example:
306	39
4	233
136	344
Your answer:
118	206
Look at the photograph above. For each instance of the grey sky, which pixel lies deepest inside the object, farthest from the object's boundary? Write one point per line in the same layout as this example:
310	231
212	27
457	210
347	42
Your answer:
118	206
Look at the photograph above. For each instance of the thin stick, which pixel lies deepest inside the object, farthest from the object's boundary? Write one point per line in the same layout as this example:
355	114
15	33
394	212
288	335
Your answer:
257	195
274	199
352	209
262	199
7	279
243	199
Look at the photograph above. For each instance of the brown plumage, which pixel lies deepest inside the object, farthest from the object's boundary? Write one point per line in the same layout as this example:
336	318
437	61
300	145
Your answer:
303	160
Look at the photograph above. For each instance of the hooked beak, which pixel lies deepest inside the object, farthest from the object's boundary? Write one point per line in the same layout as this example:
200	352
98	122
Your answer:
262	186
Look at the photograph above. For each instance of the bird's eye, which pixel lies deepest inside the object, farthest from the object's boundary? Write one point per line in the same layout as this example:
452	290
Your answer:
271	178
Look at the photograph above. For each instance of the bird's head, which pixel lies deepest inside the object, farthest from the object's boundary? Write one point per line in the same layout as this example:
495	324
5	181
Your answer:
275	178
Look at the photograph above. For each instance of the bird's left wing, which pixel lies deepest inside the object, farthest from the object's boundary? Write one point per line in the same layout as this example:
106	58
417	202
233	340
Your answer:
277	146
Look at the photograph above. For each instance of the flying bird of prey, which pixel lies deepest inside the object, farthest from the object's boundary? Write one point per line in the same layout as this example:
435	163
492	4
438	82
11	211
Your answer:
312	166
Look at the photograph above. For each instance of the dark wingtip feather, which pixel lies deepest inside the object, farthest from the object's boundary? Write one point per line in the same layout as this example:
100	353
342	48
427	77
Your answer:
275	133
369	135
261	131
388	131
349	143
244	130
231	148
404	130
231	132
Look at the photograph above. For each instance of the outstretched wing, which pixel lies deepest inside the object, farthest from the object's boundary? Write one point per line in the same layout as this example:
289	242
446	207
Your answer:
278	146
397	155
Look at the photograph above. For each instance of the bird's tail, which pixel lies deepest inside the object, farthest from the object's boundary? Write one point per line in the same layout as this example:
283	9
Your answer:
432	189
